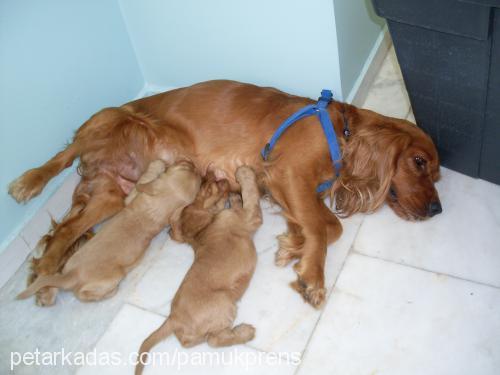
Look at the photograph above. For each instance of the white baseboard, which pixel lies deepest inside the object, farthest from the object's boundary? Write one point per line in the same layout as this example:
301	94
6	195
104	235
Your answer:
151	89
23	245
370	69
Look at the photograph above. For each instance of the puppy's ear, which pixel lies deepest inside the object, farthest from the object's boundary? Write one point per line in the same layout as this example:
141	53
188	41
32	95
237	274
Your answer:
210	177
193	221
150	188
175	226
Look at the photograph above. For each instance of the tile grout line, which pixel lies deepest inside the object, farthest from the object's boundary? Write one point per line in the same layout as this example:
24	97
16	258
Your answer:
351	249
126	302
357	252
357	233
272	247
123	303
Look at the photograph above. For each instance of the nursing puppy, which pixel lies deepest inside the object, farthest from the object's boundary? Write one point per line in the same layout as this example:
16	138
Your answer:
94	272
204	307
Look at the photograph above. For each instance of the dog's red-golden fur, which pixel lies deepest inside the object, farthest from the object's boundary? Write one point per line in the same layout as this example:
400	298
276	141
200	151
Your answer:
221	125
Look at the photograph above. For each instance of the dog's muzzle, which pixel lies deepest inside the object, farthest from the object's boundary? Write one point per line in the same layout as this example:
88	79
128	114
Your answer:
434	208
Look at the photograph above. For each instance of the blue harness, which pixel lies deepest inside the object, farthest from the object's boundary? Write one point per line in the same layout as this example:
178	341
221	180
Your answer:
318	109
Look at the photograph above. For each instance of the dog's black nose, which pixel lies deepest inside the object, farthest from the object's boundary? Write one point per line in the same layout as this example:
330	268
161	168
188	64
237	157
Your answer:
434	208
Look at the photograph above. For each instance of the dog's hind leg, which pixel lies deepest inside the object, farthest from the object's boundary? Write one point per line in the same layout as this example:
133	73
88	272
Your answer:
240	334
64	281
105	199
32	182
97	291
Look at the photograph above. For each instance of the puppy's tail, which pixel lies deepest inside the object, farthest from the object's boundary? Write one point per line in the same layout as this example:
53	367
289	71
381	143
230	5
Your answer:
165	330
64	281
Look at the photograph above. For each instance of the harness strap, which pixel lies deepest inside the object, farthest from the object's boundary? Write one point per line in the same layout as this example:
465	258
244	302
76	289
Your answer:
318	109
300	114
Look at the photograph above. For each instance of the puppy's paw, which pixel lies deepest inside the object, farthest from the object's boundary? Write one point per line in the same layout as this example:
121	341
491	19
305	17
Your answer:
46	297
282	258
245	332
29	185
243	173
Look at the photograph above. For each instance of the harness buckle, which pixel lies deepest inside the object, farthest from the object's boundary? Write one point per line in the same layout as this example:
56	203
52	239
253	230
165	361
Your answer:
326	96
265	151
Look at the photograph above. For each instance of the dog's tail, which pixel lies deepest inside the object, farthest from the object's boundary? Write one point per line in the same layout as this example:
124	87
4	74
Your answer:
64	281
165	330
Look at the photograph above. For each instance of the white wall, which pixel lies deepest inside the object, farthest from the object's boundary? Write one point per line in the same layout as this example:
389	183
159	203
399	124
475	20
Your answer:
358	28
60	61
289	44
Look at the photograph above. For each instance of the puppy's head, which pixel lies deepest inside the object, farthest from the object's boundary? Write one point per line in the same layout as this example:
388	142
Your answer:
198	215
211	192
180	177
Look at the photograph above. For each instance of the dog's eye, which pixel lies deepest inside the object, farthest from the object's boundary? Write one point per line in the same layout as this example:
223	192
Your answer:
420	162
392	193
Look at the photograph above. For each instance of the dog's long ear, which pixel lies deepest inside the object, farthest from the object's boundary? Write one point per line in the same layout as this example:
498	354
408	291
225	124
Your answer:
369	162
193	221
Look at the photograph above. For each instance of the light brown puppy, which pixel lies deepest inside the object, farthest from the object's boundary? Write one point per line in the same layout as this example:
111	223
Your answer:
204	307
94	272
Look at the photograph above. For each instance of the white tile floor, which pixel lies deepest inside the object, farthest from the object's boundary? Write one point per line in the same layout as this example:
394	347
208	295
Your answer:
405	298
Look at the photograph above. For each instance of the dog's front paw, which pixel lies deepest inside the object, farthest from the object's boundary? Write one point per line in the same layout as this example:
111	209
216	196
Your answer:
27	186
310	283
313	295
